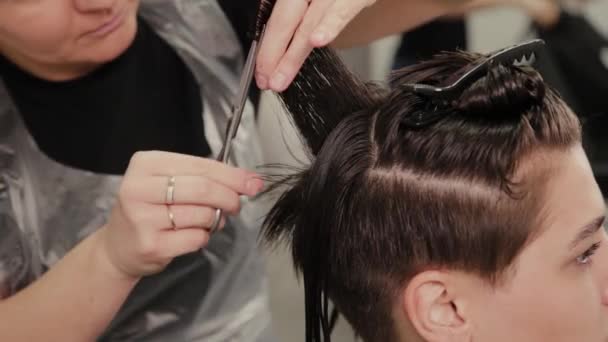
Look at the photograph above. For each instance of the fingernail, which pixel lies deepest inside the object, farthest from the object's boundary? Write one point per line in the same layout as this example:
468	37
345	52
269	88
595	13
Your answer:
254	186
319	37
277	83
262	81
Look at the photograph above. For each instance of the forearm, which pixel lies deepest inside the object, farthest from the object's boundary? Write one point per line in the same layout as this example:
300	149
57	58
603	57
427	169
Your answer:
387	17
544	12
74	301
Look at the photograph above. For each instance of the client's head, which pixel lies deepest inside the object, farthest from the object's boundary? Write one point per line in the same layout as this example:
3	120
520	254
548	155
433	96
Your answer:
485	225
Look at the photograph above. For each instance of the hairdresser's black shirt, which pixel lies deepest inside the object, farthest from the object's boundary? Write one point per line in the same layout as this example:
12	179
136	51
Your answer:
147	99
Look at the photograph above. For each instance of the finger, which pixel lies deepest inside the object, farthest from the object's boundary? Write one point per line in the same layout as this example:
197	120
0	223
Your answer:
284	20
335	20
300	47
173	164
175	243
195	217
188	190
184	217
154	217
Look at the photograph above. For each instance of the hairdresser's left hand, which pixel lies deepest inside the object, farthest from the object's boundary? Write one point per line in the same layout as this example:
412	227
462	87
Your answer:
294	29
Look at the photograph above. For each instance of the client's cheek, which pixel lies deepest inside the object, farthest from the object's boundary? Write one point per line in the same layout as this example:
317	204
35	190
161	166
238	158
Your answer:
4	284
600	269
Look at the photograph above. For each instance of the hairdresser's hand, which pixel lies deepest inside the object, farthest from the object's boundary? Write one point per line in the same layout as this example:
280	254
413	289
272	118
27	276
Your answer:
140	238
294	29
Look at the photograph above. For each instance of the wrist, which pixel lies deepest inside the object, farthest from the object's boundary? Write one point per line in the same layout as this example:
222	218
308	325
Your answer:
102	260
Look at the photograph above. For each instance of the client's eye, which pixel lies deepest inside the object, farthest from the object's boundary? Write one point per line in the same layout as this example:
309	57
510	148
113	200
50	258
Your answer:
585	258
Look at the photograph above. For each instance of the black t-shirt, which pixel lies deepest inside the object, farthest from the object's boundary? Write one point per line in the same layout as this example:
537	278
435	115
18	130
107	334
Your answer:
146	99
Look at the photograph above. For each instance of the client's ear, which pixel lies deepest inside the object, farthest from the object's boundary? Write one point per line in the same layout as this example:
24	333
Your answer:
432	302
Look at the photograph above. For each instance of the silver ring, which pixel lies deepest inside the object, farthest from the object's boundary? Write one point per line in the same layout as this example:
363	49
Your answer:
169	198
216	222
171	217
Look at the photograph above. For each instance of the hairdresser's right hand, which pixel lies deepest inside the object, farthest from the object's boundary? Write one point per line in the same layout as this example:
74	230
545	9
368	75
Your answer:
139	238
296	27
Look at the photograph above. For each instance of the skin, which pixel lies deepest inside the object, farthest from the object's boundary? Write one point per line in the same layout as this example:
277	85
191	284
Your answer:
297	26
60	40
545	13
557	291
52	38
89	285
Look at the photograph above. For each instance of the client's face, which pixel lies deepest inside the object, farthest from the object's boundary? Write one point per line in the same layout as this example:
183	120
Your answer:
559	288
48	36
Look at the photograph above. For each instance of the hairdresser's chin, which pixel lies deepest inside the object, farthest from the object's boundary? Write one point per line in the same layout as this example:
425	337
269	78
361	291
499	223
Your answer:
66	39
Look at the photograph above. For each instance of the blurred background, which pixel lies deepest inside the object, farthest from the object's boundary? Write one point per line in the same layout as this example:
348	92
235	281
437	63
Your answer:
486	30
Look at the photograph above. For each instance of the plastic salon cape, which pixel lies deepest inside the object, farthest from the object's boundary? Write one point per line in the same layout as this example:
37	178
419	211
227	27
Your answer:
46	208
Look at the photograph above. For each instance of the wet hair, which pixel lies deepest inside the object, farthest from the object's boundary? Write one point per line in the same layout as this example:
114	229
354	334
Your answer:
380	201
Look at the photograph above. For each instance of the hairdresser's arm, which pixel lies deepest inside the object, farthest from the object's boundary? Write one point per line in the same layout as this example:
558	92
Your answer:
296	27
74	301
544	12
78	297
387	17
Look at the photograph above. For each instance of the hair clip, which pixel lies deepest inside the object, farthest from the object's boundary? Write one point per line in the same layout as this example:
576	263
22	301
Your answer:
525	54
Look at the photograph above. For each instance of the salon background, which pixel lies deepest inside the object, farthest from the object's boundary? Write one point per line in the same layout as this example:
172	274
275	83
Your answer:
486	32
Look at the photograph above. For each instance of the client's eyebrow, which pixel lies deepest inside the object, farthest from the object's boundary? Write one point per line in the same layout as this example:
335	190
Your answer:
588	230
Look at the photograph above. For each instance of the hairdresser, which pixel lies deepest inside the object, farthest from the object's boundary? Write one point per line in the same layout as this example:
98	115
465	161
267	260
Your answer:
100	239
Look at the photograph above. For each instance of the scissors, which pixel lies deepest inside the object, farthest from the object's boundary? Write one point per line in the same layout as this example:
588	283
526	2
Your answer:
237	113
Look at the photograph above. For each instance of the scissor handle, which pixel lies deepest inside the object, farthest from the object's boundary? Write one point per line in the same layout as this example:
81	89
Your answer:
216	222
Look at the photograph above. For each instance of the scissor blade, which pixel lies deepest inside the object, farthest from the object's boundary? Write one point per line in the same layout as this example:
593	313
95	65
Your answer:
246	79
241	99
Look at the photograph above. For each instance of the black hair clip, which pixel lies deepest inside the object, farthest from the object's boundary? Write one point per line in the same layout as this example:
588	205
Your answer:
525	54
